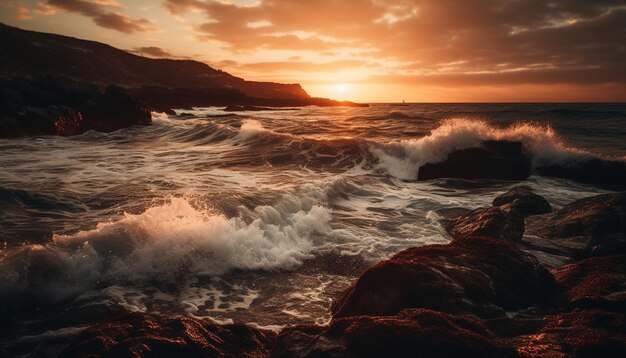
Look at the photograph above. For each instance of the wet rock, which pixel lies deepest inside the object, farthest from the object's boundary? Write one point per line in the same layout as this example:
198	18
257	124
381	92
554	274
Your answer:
139	334
503	223
589	170
597	282
594	226
581	333
479	276
59	106
504	220
411	333
524	200
501	159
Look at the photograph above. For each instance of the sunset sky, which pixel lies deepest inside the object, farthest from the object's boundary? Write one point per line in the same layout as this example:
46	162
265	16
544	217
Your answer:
377	50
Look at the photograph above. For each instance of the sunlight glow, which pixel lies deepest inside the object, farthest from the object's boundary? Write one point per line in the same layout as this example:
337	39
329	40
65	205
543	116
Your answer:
341	88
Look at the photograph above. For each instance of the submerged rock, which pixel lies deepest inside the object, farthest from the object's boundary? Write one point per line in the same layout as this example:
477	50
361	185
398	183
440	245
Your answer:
140	334
594	226
501	159
411	333
588	170
478	276
504	219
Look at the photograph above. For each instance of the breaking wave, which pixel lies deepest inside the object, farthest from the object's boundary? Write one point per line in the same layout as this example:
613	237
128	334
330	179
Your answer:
165	243
403	159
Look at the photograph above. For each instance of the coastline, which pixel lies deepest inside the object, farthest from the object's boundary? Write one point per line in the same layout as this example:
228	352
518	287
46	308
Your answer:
489	292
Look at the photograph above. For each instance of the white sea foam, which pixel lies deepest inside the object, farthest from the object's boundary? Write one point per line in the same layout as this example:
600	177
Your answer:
160	118
251	128
168	243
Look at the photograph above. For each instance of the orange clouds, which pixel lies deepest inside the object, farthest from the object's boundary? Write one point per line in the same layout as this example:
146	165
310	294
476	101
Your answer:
437	42
418	47
97	11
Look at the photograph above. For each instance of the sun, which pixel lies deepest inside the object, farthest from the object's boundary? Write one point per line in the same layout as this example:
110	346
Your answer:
341	88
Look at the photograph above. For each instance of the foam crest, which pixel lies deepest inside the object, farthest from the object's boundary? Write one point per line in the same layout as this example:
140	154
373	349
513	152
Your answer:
169	243
402	159
160	118
251	128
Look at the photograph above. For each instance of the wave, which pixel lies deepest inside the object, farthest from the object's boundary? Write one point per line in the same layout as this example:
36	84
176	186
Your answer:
251	128
167	243
403	159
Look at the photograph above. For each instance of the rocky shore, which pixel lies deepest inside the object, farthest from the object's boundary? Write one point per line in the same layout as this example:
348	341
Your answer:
59	106
518	279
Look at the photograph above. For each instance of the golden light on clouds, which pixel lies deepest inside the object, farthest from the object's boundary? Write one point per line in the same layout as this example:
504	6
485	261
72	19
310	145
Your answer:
377	50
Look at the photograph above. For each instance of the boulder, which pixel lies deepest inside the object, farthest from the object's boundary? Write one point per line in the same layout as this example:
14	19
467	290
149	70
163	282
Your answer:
411	333
140	334
503	223
524	200
597	282
499	159
594	226
479	276
504	219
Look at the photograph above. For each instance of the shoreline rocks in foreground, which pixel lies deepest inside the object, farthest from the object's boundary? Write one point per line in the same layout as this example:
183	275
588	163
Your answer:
487	295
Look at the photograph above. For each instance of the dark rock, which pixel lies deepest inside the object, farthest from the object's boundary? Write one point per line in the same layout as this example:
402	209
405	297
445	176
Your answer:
139	334
59	106
581	333
115	110
524	200
594	226
478	276
588	170
503	223
504	220
411	333
493	160
597	282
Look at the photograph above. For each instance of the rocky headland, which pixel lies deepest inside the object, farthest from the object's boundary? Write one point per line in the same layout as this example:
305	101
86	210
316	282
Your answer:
52	84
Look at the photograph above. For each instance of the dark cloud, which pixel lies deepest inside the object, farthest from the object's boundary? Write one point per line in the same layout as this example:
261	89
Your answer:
438	41
98	12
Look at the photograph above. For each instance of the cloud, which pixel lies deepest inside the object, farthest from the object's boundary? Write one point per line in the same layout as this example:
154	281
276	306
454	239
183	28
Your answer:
152	51
303	66
433	41
44	9
21	14
98	11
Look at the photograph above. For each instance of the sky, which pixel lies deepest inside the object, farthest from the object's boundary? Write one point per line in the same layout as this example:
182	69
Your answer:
370	50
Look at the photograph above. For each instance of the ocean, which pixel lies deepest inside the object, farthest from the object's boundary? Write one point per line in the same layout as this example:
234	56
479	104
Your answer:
254	217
